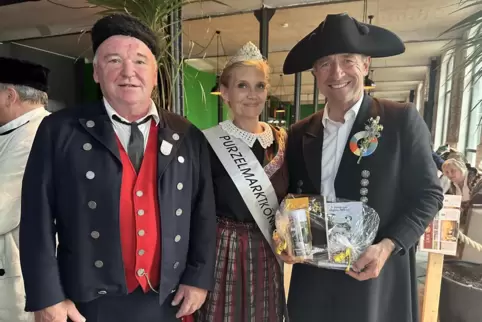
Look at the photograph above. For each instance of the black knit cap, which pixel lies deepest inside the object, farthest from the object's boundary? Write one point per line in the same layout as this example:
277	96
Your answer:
123	25
20	72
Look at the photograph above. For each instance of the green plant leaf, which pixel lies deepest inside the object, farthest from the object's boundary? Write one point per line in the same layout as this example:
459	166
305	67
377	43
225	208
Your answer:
466	23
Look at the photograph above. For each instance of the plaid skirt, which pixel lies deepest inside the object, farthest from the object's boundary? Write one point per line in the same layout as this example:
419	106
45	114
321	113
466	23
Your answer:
249	282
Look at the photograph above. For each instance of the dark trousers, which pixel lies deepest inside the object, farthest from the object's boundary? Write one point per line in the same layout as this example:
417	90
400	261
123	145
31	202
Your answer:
135	307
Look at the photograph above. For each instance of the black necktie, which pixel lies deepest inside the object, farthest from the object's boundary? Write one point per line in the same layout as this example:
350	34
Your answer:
135	148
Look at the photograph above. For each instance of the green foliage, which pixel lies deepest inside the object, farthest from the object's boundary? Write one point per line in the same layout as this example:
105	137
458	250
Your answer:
472	44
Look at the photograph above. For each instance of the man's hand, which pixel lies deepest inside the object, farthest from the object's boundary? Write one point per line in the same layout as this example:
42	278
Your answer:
192	299
370	264
280	247
59	313
289	259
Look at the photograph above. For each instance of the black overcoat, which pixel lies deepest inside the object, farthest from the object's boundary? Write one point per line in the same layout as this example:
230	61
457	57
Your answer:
403	188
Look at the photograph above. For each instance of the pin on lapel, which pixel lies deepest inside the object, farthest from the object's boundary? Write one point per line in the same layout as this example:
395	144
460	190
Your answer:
166	147
364	143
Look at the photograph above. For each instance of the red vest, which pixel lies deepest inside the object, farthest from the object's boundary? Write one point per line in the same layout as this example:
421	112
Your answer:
139	218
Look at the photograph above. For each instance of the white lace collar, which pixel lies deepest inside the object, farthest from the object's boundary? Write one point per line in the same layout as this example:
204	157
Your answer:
266	138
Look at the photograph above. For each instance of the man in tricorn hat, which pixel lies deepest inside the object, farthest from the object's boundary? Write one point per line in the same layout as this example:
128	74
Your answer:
393	173
23	96
128	192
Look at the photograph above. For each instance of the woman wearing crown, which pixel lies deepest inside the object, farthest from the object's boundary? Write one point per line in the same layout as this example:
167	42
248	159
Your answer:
250	178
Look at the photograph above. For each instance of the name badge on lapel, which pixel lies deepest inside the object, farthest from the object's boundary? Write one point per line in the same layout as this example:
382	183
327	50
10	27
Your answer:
166	147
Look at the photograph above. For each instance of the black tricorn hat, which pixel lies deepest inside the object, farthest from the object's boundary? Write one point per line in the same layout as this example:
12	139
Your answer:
21	72
123	25
341	34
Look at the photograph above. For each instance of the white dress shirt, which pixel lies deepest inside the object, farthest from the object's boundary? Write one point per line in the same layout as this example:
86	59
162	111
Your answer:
123	131
335	136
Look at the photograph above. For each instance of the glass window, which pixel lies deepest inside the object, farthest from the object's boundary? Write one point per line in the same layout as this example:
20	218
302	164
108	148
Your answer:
443	106
475	110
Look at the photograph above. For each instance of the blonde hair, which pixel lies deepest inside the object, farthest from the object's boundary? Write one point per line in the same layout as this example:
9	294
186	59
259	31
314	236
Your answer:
261	65
455	163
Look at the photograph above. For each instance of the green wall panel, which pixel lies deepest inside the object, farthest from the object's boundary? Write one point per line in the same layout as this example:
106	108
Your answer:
200	107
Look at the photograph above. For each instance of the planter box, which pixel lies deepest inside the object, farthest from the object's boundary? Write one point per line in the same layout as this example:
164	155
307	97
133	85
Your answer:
461	293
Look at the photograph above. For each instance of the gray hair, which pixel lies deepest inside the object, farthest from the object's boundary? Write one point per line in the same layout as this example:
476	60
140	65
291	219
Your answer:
27	93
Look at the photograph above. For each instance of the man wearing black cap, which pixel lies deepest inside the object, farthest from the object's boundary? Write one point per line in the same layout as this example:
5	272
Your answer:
23	96
128	192
366	149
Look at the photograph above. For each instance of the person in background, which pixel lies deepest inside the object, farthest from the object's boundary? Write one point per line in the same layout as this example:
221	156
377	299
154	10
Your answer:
465	180
127	189
250	178
23	96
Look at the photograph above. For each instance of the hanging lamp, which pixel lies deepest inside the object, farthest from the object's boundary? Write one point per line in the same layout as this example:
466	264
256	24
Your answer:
216	90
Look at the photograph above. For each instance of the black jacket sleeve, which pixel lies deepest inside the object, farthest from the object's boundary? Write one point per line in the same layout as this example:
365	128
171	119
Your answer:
420	185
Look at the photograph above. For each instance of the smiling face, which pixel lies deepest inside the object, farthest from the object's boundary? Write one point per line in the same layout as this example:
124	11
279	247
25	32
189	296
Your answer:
244	88
126	71
340	77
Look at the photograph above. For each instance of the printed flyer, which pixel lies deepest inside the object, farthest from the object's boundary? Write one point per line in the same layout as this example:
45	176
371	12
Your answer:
441	235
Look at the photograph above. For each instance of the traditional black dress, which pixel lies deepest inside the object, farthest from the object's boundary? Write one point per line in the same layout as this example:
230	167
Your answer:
249	281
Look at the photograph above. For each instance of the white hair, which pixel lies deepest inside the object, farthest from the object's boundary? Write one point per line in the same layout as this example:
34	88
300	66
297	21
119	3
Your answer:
27	93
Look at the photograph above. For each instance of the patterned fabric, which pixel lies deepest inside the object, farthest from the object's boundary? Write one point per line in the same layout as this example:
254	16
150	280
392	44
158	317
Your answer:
249	282
275	155
265	138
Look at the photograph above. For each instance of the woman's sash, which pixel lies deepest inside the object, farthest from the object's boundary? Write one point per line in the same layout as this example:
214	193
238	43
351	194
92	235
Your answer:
248	176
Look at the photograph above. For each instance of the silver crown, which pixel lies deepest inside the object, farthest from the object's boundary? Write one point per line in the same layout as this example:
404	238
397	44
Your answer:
248	52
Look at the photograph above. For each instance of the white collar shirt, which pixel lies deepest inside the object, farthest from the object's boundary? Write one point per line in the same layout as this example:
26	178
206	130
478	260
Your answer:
335	136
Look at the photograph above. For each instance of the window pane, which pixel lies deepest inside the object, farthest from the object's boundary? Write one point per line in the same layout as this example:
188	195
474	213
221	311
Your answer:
475	115
475	108
443	104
